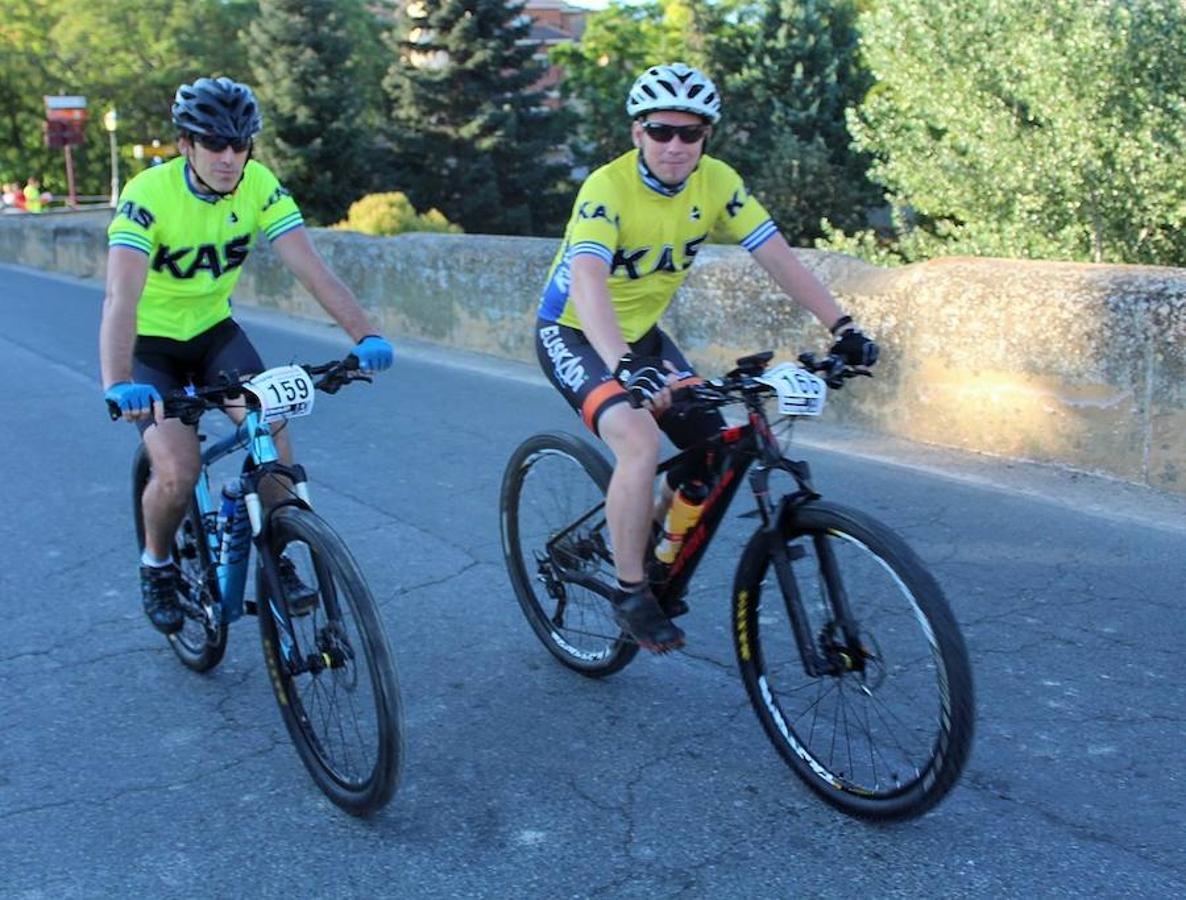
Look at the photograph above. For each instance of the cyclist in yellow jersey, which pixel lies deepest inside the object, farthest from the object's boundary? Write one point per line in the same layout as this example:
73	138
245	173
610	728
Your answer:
636	227
180	235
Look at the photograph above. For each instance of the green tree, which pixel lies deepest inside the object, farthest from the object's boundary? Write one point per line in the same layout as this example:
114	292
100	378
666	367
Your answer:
787	82
116	53
618	43
469	133
1031	128
304	57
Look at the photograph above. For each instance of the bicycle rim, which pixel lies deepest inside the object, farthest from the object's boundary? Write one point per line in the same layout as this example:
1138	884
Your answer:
887	735
551	482
344	715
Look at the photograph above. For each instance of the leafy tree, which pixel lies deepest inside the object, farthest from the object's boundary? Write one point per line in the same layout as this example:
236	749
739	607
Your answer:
787	83
392	213
116	53
618	43
1031	128
469	133
304	57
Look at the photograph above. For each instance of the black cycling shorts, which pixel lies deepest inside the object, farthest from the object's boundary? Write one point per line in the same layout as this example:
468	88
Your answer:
169	365
576	370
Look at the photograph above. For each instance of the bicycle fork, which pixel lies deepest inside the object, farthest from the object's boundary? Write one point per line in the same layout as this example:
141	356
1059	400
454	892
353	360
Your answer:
845	655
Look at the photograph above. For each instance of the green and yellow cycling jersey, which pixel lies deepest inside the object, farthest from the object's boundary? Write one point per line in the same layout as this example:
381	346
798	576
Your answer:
196	244
648	236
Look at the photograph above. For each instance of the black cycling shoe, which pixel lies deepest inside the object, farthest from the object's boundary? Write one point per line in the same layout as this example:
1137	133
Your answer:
158	591
300	597
673	607
657	573
638	614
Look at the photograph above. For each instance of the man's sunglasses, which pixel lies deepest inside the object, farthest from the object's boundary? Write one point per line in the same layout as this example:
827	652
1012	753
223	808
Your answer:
663	133
216	144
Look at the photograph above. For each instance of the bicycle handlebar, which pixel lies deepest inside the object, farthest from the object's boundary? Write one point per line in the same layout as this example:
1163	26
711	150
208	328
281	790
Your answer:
188	405
743	381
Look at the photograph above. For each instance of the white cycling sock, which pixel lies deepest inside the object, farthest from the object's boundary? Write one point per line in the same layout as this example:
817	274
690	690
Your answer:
147	559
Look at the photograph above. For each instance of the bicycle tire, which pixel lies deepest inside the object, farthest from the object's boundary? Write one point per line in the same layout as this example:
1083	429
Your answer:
200	645
871	781
344	622
572	621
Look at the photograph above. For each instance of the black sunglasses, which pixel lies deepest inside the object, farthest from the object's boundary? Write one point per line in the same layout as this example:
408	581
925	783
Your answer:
216	144
662	133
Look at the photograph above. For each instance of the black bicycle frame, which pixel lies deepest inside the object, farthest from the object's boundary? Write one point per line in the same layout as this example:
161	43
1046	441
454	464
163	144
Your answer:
738	448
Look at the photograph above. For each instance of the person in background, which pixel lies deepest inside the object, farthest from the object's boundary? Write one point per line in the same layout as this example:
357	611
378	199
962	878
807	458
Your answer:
34	199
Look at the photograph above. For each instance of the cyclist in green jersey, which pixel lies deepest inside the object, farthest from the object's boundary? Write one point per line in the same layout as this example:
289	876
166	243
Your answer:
636	226
176	247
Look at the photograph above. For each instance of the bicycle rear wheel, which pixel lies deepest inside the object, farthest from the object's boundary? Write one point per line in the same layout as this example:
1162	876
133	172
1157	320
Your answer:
343	709
201	642
886	735
553	532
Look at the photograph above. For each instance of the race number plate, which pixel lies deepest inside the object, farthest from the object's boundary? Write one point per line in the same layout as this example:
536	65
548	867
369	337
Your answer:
283	393
799	392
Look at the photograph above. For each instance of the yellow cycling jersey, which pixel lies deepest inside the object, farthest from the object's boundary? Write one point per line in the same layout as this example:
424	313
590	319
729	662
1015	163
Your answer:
648	237
196	244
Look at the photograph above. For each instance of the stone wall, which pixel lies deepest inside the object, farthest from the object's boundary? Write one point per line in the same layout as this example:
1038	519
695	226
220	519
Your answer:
1080	365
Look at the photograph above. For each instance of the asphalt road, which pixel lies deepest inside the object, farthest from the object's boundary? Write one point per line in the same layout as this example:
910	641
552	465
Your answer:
123	774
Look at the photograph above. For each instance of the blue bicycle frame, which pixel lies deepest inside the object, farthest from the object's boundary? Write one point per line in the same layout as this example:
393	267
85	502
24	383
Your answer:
231	572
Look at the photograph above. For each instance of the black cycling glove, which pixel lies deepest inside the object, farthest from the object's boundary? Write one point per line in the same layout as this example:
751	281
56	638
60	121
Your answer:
855	349
641	376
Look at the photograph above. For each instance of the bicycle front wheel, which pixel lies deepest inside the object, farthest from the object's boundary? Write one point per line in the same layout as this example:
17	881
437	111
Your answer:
201	642
885	729
553	531
340	699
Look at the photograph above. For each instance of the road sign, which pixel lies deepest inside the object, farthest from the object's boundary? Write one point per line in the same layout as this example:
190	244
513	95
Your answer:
65	108
64	134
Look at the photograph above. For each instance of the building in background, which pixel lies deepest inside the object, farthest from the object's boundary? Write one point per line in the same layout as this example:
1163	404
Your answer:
553	22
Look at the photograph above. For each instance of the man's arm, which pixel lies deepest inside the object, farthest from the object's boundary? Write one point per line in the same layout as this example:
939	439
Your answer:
127	271
297	252
797	281
589	290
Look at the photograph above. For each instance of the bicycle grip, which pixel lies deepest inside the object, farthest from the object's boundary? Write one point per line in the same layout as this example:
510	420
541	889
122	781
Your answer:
113	410
350	363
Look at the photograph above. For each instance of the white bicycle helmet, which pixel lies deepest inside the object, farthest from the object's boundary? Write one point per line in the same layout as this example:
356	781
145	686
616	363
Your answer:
676	86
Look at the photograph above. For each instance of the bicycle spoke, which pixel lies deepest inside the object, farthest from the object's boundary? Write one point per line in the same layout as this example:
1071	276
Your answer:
865	725
345	723
556	545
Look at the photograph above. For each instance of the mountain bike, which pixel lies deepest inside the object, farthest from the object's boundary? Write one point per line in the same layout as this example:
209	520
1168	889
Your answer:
849	652
330	666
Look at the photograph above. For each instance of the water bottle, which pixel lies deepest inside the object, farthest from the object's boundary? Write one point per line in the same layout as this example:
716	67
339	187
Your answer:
234	542
686	507
234	524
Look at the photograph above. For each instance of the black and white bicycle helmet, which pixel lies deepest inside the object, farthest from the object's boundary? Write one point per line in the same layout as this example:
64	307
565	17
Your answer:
676	86
219	107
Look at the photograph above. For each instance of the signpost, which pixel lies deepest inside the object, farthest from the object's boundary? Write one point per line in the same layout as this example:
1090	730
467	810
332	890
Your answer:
65	117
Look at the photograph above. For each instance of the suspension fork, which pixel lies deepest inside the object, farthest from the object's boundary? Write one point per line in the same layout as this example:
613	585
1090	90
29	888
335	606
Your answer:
782	556
262	462
838	601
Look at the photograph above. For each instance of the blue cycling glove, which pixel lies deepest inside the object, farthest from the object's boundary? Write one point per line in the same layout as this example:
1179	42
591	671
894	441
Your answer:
131	396
374	353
